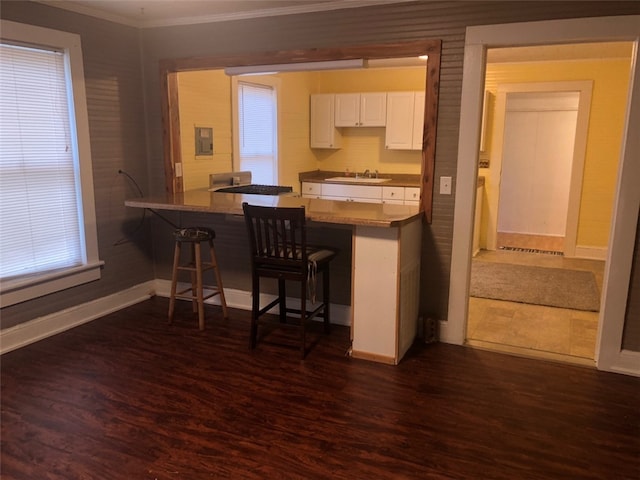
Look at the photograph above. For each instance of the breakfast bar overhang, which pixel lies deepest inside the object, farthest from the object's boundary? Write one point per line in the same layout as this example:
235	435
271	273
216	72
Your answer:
385	270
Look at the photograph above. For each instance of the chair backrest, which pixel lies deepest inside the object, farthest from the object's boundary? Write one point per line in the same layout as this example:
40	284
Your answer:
277	237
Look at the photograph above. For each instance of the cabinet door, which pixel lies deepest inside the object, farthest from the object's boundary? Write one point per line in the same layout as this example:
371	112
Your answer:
412	195
323	133
352	192
418	120
393	195
399	131
311	190
373	109
347	109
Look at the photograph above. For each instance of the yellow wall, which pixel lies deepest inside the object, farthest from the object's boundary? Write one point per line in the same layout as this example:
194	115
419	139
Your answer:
204	101
363	147
295	156
610	85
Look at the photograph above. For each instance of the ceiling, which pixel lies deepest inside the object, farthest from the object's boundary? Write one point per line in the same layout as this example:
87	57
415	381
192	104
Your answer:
157	13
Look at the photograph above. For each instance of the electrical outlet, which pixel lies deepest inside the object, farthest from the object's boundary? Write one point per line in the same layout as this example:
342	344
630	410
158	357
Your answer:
445	185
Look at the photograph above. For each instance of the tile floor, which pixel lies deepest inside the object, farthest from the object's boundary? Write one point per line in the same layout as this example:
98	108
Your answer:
534	330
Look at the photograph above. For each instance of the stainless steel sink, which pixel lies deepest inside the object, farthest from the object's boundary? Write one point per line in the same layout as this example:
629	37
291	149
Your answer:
357	179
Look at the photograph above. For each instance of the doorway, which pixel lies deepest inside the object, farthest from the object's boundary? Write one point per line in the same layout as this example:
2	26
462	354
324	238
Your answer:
536	149
625	211
537	156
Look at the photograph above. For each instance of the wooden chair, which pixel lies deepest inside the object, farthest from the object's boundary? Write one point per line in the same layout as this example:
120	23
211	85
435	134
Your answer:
279	250
194	237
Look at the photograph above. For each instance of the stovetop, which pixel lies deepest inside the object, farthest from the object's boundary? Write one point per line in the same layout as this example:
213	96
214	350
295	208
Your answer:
256	189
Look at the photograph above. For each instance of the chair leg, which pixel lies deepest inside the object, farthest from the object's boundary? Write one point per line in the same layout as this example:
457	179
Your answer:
303	319
282	296
174	281
326	299
255	308
216	270
198	292
194	278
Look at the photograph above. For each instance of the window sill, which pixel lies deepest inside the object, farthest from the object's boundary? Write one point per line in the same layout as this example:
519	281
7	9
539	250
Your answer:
23	289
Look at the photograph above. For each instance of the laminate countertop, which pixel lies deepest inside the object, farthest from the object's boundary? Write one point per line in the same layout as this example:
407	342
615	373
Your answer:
317	210
393	180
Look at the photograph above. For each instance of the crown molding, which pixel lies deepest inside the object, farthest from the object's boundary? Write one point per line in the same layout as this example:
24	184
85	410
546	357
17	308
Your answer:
84	9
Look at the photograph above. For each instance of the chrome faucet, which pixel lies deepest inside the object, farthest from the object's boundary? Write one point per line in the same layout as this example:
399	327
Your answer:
367	174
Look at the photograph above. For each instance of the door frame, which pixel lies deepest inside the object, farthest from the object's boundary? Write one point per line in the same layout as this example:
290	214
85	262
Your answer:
609	353
585	89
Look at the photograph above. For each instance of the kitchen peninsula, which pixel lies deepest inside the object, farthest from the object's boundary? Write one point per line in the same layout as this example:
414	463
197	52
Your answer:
385	268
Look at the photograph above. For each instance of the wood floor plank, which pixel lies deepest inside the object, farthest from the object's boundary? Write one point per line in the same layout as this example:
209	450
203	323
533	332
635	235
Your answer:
130	397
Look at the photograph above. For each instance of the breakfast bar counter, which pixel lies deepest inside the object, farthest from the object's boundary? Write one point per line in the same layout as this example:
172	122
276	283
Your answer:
385	270
317	210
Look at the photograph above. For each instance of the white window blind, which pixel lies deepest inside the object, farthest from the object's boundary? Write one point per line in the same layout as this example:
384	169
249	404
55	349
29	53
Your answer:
40	203
258	139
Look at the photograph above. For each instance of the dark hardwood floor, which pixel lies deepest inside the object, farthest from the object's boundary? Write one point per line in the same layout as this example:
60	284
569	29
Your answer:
129	397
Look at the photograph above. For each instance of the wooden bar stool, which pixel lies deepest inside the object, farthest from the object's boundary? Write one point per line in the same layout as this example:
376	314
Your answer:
195	237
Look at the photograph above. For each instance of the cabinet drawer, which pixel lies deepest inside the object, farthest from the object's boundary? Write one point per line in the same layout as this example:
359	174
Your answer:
352	191
309	188
393	193
412	194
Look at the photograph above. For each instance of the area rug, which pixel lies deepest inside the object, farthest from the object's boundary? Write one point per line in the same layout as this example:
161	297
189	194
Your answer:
553	287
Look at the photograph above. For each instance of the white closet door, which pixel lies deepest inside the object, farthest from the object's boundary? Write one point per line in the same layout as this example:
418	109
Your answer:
536	166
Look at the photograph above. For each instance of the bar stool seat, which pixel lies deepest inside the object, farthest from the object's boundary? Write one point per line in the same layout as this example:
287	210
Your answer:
197	292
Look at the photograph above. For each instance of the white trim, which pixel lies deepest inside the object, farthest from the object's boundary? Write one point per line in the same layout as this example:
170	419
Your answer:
585	89
41	284
37	329
24	289
627	363
591	253
241	299
627	201
214	17
54	323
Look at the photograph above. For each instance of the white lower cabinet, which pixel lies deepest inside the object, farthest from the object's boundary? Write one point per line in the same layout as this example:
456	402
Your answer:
386	293
311	190
362	193
412	196
393	195
352	193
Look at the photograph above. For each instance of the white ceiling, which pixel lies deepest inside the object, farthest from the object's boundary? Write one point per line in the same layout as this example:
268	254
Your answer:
156	13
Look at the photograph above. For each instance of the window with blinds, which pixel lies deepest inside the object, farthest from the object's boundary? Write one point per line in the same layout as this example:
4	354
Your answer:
257	116
39	222
46	233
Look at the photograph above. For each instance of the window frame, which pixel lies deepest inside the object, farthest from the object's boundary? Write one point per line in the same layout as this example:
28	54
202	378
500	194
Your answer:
20	289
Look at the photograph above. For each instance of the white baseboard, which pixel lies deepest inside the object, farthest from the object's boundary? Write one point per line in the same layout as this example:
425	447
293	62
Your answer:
591	253
37	329
241	299
54	323
626	362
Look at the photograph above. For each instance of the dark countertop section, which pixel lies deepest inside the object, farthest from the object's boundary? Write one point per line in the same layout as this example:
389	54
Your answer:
397	179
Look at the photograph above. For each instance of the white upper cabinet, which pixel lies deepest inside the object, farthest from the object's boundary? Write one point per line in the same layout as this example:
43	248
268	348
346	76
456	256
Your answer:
405	120
323	133
361	109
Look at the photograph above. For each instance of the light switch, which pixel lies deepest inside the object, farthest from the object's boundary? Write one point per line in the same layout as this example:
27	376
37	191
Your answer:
445	185
178	169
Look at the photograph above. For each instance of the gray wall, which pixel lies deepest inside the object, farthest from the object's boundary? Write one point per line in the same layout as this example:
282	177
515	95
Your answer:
111	58
113	80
